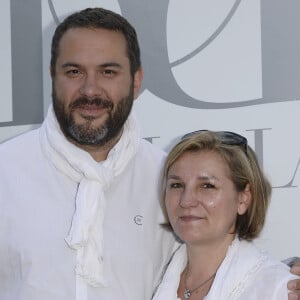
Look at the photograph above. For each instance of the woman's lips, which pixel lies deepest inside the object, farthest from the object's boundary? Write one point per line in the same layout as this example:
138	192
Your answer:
190	218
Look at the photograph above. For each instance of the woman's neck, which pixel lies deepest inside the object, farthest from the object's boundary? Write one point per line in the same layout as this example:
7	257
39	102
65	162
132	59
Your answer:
204	259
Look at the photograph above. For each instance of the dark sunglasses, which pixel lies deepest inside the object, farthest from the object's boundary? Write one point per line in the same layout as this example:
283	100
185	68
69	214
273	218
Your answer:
226	138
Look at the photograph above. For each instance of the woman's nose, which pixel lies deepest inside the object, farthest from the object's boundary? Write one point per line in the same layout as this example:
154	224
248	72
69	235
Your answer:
188	199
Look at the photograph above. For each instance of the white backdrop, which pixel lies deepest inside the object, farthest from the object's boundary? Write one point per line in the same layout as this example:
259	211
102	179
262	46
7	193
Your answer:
210	64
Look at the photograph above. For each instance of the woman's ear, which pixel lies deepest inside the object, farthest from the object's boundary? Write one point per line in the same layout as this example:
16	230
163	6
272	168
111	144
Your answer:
245	198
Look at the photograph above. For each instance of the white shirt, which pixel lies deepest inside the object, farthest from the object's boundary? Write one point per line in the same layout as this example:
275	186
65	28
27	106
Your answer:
37	204
246	273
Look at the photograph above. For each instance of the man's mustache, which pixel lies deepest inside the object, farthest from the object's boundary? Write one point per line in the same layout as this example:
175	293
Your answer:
82	101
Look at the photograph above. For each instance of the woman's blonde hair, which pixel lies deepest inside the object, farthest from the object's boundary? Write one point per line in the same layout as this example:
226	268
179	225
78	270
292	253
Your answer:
243	169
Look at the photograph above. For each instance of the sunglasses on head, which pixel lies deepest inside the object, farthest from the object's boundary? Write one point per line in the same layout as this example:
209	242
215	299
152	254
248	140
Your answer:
226	138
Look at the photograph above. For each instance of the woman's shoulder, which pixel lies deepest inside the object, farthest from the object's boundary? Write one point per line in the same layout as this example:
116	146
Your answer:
270	281
251	273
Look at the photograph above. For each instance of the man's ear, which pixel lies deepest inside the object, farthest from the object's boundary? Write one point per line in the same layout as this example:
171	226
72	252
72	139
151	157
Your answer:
245	198
137	82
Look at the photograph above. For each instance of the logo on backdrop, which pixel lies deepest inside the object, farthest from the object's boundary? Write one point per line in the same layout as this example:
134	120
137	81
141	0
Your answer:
277	86
279	80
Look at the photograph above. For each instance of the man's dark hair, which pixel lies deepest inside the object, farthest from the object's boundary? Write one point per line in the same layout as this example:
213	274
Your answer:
98	18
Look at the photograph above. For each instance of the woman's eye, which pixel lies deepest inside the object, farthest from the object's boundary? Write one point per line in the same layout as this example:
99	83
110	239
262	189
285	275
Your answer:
175	185
208	186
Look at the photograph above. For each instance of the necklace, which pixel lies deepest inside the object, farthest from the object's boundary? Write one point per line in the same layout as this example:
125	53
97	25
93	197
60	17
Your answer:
187	292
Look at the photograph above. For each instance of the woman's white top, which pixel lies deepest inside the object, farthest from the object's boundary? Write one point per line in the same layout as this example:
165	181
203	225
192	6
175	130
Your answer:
245	273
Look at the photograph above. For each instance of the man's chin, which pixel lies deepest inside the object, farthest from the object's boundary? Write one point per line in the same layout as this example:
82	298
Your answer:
88	136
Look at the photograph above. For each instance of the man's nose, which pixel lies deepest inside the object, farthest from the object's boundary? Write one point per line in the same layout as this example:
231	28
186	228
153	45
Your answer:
91	86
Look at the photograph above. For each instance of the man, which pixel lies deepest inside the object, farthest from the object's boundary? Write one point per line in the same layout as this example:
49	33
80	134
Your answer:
80	195
294	285
80	217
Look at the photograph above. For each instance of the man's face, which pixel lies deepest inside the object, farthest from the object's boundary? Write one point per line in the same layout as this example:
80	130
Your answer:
93	90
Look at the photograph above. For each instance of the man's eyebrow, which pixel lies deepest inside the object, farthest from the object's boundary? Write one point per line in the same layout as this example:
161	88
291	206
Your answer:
104	65
70	64
110	64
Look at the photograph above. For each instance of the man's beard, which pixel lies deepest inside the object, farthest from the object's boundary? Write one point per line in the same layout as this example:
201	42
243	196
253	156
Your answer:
87	134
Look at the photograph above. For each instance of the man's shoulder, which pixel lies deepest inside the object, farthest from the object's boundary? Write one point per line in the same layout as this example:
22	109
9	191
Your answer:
148	150
20	143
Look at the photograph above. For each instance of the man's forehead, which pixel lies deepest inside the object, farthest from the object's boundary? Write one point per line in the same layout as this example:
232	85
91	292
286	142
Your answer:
93	41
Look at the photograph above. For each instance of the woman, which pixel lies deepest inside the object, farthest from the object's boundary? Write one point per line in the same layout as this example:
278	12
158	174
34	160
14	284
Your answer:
216	198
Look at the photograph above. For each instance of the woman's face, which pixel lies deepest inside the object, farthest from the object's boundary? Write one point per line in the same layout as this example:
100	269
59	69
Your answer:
201	200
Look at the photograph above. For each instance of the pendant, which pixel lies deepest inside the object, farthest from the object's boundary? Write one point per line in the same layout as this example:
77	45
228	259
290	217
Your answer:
187	293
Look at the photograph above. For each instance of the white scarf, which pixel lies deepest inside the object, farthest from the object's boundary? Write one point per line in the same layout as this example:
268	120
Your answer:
86	233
